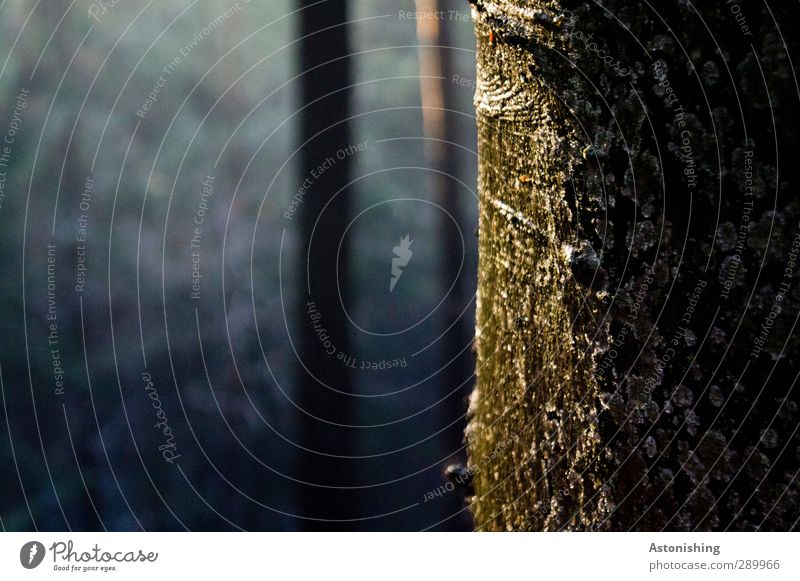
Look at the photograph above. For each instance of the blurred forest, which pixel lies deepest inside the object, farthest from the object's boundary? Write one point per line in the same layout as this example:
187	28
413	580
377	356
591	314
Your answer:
153	276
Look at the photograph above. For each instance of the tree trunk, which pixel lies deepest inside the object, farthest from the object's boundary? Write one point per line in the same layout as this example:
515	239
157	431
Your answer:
434	36
327	406
637	278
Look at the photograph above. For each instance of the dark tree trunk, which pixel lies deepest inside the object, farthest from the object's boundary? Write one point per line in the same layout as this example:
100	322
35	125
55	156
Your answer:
327	407
439	109
638	289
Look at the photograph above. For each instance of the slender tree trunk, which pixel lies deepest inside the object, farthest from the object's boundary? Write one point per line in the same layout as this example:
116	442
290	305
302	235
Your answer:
637	285
327	407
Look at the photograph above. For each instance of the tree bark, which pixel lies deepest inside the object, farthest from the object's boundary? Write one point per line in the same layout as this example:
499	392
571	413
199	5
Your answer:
637	290
434	36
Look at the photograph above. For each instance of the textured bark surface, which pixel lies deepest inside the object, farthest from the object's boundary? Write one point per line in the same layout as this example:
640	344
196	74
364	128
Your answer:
637	286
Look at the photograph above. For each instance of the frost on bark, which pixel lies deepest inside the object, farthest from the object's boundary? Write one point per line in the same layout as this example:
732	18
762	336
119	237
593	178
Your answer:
638	231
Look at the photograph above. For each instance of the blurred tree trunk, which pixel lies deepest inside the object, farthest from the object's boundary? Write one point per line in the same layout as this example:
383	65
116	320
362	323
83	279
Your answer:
634	236
325	383
434	36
